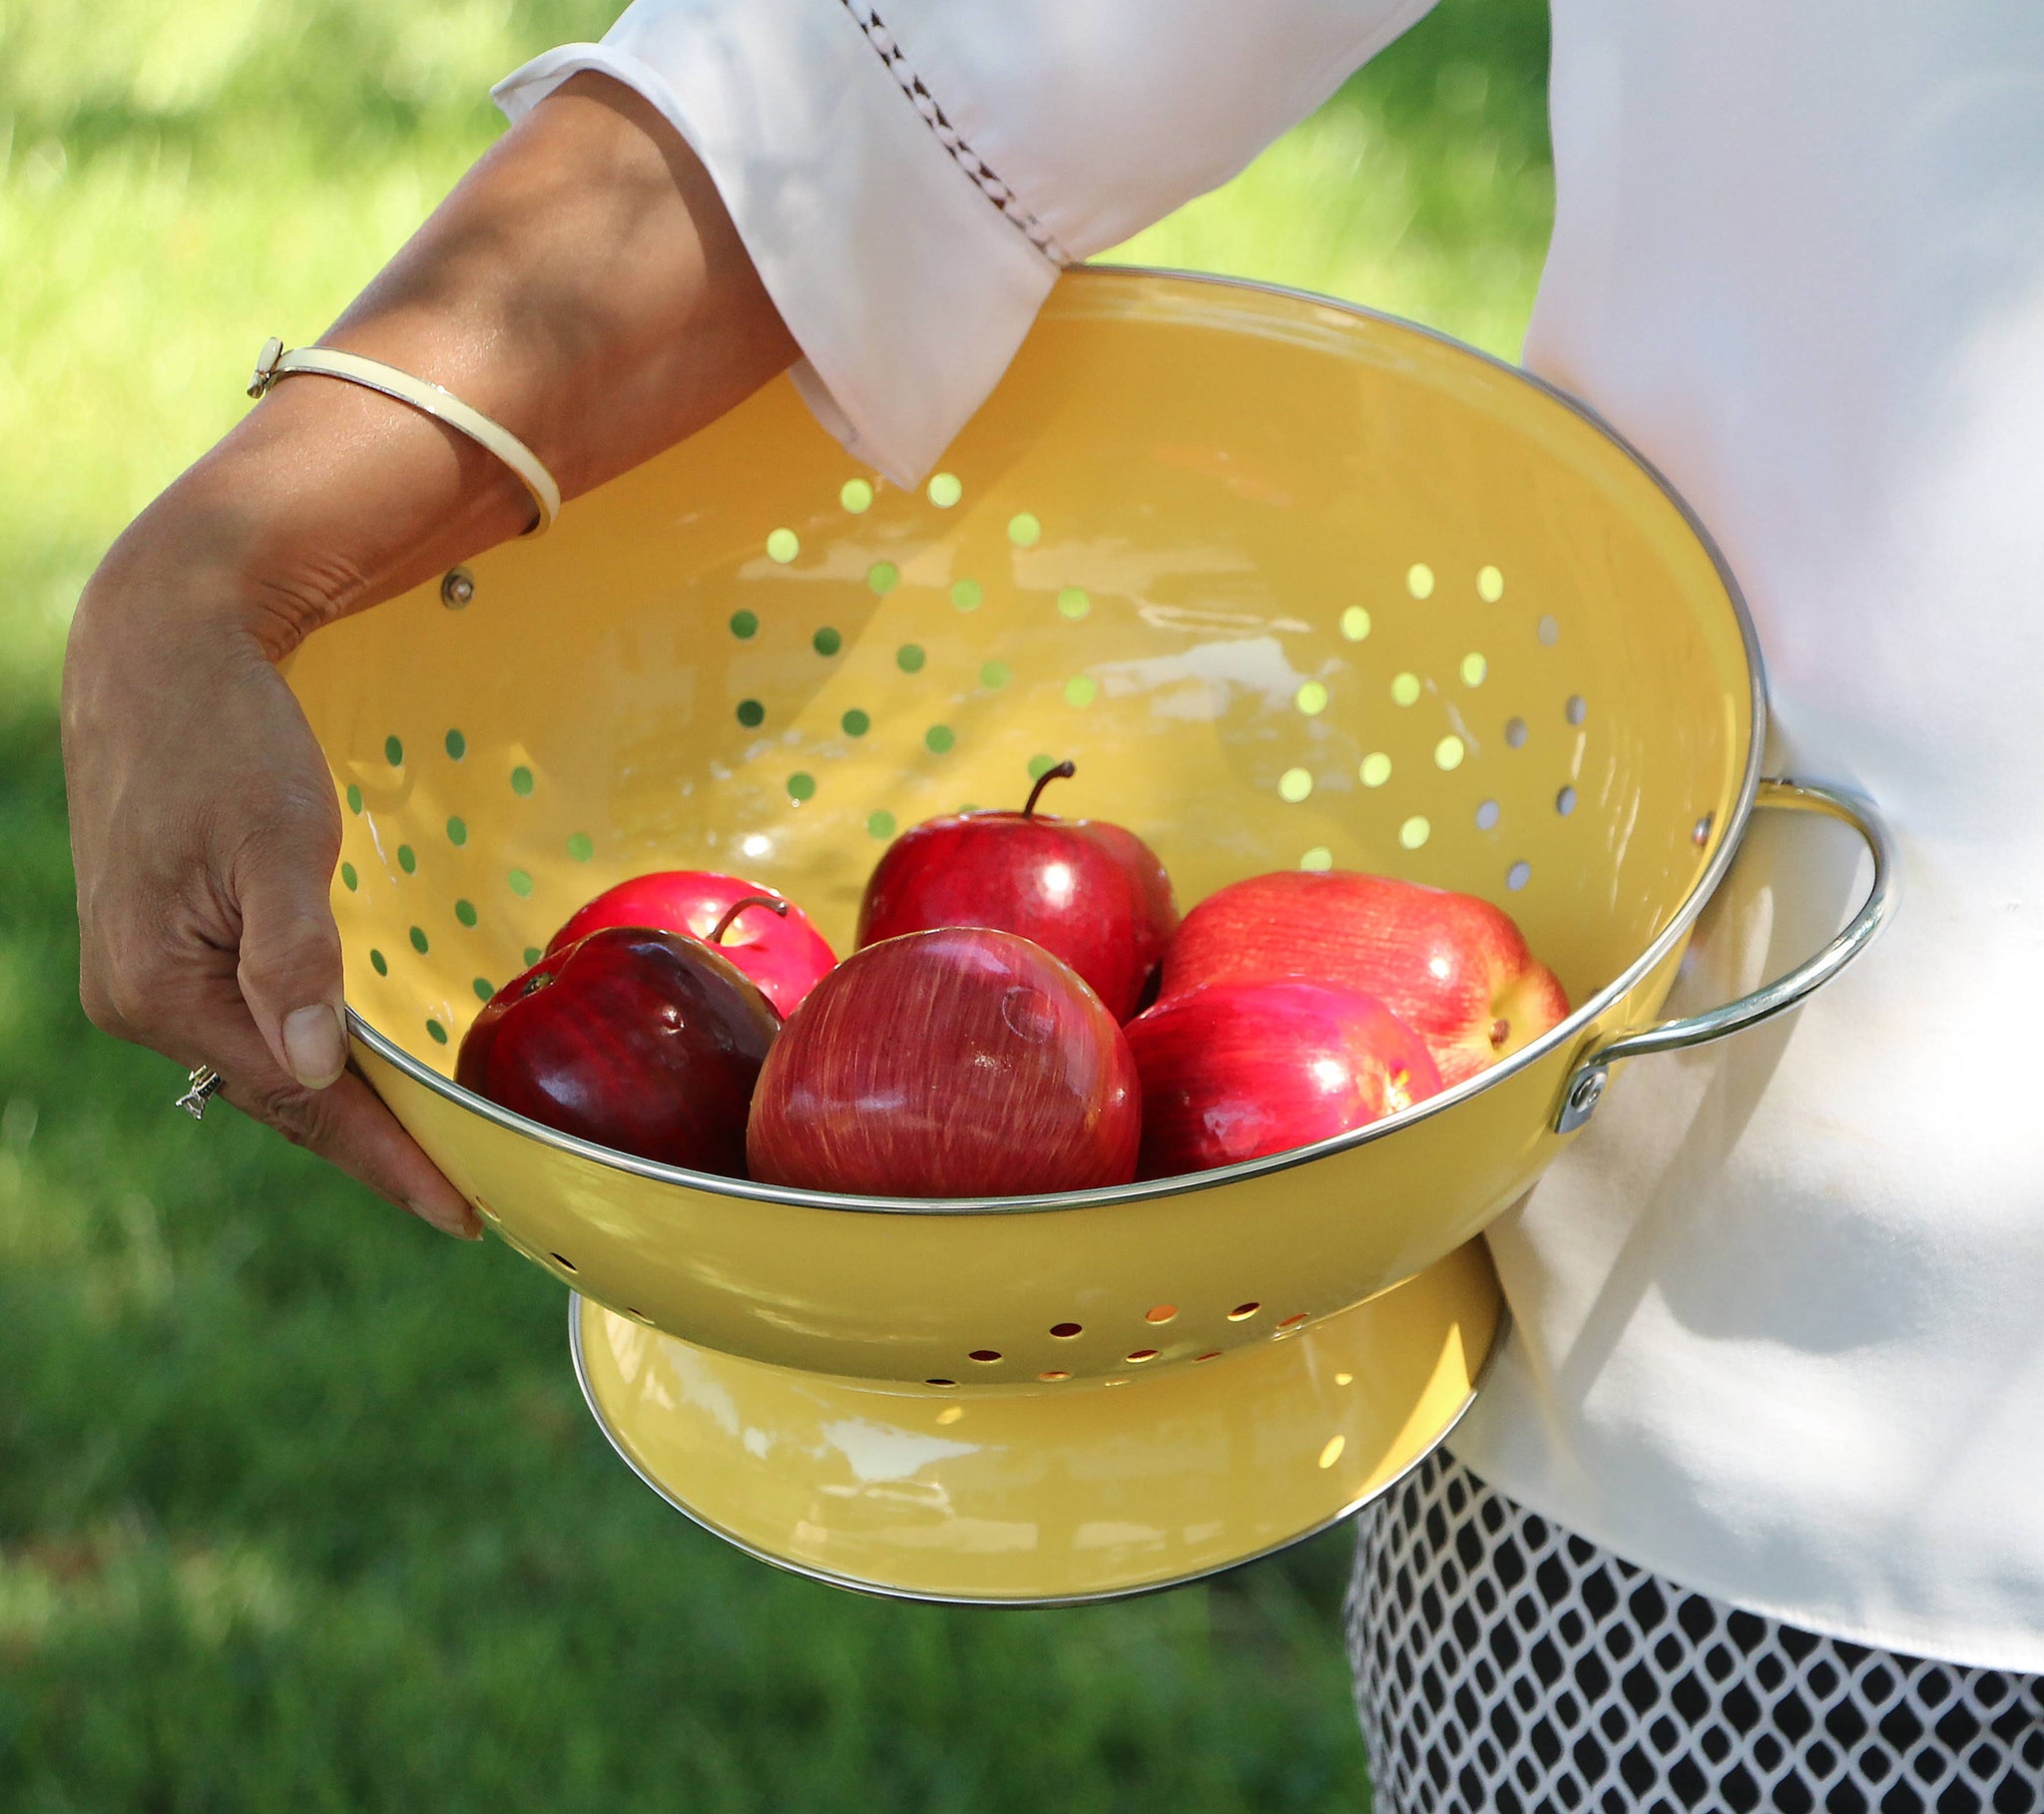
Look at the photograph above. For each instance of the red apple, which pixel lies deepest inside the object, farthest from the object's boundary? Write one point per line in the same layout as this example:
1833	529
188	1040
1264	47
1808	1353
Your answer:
784	959
1091	893
646	1041
1453	968
1233	1071
959	1062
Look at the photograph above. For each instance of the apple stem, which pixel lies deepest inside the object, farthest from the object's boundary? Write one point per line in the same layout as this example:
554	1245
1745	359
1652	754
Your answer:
1064	771
731	912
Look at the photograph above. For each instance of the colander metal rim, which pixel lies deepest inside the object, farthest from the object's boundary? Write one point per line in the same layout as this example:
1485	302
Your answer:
1148	1190
1142	1591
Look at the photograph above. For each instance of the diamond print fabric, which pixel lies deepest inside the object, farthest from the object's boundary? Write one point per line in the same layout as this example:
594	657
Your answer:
1506	1666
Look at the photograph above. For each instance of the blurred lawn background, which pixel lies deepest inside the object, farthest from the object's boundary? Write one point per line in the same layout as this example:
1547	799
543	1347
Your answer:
299	1506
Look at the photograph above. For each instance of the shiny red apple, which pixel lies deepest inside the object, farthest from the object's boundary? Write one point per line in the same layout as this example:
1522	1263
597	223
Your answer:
1235	1070
1453	968
959	1062
784	955
1089	892
646	1041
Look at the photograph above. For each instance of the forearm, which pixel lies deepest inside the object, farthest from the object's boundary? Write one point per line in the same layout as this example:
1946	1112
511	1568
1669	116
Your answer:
583	285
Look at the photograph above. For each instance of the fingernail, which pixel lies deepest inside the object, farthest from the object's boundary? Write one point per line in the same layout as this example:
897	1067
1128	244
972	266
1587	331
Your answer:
461	1221
315	1045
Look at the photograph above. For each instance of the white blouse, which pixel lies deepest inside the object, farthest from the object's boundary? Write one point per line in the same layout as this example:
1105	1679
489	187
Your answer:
1779	1313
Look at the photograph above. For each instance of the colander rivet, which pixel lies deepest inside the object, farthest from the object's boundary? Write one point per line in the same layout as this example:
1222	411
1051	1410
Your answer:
1701	834
457	588
1585	1096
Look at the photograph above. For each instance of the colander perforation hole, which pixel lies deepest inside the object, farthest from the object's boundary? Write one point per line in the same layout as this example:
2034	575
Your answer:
985	1356
1139	1355
1051	1375
880	824
1549	632
563	1262
1211	1354
1565	801
1490	585
639	1316
945	489
1293	1321
1515	732
1319	857
1577	710
940	1382
1065	1331
1419	580
1518	875
1243	1312
966	595
745	624
1488	813
856	496
436	1033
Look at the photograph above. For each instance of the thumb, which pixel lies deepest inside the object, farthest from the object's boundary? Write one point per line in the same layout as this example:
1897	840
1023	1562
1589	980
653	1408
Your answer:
289	970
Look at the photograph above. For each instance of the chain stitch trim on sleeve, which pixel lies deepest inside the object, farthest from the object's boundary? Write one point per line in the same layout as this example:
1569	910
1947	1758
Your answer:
967	160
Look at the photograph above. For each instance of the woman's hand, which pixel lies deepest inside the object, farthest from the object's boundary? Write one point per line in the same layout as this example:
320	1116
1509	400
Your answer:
584	286
203	833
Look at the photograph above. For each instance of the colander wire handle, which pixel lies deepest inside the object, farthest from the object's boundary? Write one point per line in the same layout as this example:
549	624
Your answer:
1587	1082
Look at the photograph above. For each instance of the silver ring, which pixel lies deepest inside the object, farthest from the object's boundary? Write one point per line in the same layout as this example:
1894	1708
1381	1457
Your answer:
204	1083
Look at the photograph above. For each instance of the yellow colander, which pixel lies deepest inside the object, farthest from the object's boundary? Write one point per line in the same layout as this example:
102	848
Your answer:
1294	586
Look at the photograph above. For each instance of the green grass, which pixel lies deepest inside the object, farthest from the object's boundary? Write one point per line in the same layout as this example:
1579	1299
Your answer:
298	1503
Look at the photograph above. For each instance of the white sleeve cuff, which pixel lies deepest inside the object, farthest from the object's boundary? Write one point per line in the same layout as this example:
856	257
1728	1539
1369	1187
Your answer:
904	284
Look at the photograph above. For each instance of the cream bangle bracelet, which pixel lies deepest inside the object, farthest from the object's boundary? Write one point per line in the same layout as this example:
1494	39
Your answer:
275	363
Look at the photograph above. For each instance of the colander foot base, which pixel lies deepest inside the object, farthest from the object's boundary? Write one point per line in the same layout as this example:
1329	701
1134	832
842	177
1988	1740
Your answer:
1079	1492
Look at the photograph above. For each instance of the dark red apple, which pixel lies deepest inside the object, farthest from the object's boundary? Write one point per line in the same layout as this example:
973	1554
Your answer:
1234	1070
784	956
959	1062
646	1041
1089	892
1453	968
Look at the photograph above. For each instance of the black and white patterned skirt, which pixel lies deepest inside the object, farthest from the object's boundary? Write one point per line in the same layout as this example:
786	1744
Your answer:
1506	1666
